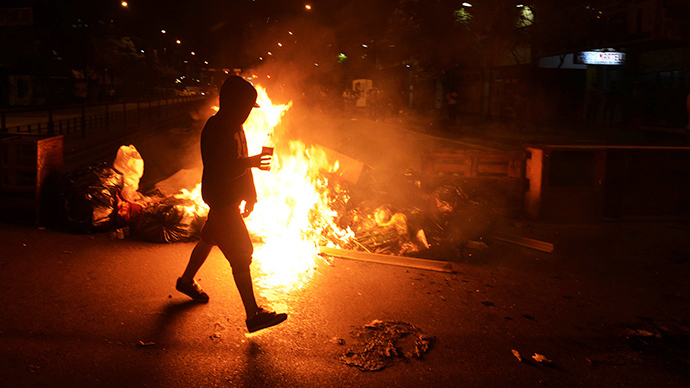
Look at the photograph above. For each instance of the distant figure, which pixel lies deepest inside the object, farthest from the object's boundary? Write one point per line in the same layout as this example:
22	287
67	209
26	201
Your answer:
687	106
611	102
375	103
226	183
348	101
687	127
592	104
452	101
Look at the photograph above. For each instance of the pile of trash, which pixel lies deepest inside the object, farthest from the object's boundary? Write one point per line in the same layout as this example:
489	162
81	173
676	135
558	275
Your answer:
105	198
382	343
388	214
399	218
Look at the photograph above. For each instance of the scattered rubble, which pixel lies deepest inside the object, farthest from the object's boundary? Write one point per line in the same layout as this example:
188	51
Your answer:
380	344
540	358
388	215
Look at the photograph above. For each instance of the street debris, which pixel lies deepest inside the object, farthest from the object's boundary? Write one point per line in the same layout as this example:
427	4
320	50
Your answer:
441	224
130	164
381	344
388	217
215	337
168	220
120	233
640	333
91	197
525	242
540	358
433	265
143	344
105	198
614	359
516	354
337	341
667	341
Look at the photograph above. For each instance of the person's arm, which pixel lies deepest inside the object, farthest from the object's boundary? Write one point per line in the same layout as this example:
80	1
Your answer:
226	153
261	161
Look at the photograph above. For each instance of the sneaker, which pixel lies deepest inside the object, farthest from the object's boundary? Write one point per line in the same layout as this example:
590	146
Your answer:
192	290
263	319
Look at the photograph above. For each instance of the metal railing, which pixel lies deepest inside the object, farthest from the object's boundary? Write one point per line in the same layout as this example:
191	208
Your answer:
79	119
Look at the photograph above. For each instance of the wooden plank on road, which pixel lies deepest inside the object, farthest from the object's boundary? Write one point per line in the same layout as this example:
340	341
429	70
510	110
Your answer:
525	242
411	262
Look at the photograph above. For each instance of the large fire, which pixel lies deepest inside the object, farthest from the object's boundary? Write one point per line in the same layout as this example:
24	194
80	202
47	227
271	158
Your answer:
292	214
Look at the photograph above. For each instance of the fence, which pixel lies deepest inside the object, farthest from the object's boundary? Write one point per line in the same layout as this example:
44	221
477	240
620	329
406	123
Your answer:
79	119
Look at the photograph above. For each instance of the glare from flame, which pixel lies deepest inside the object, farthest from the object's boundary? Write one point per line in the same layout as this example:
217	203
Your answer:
292	213
198	207
292	207
292	216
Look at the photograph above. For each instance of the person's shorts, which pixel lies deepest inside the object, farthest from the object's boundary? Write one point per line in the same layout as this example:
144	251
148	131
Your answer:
226	229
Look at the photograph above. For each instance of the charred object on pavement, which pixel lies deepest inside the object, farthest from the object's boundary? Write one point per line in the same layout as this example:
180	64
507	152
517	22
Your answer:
380	344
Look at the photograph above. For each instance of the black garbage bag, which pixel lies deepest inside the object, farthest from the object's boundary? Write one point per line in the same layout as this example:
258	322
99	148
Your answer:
91	196
454	220
168	221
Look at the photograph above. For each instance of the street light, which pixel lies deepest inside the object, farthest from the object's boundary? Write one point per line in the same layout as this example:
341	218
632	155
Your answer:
124	4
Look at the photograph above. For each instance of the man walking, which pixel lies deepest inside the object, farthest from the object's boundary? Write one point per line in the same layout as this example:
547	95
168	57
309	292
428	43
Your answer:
227	183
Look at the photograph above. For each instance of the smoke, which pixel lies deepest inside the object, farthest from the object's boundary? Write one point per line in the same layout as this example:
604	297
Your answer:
310	59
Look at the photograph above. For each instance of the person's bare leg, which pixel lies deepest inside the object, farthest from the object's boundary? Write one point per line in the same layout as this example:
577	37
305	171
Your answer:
196	260
245	286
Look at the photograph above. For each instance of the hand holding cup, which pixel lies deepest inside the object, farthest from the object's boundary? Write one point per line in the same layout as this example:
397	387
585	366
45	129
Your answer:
262	161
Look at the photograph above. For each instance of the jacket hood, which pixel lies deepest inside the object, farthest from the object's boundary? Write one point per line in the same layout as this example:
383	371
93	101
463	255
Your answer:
237	98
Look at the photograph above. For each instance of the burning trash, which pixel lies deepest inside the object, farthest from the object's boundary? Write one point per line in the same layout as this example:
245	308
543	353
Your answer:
310	198
169	220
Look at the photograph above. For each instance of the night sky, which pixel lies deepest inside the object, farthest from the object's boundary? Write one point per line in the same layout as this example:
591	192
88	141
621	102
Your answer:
225	31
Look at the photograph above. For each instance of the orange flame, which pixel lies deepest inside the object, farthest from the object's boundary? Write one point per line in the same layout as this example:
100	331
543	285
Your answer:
292	214
292	209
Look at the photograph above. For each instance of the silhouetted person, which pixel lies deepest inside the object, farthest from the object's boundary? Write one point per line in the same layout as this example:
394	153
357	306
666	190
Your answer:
687	128
452	101
227	182
612	102
592	104
687	106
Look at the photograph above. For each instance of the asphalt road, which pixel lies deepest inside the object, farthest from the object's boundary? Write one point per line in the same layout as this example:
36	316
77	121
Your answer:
608	307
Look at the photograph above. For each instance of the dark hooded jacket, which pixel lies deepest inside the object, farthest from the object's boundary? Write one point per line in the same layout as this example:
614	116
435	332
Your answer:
227	178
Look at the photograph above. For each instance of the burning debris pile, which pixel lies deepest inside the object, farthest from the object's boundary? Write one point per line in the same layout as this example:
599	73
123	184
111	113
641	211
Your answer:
311	198
399	218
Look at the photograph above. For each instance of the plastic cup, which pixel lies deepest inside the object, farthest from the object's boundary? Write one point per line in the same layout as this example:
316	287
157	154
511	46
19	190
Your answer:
267	150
